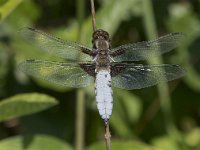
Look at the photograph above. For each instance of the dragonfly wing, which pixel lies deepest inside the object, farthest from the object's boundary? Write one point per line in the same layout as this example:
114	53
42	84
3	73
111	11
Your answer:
64	49
135	76
67	74
147	49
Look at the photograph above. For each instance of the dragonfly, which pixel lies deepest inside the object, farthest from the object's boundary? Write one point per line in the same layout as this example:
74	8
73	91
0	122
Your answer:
101	64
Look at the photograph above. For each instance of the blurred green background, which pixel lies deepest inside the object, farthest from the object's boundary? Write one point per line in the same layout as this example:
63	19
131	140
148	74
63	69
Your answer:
163	117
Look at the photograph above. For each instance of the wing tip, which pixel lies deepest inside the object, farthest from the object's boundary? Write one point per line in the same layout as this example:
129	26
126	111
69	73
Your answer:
179	35
183	71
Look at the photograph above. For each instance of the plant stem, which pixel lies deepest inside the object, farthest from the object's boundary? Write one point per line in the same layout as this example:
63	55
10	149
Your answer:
107	130
150	27
80	103
93	15
107	136
80	120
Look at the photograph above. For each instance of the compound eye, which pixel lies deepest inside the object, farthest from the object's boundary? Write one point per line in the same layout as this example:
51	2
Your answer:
106	37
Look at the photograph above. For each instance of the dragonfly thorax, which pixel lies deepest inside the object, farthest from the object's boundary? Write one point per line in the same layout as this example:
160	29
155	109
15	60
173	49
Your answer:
101	44
102	60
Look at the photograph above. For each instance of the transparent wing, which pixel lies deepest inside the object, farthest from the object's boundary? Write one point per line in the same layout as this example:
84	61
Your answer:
67	74
136	76
147	49
64	49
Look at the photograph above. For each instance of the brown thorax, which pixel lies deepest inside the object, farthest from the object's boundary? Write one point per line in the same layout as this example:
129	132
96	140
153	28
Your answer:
101	44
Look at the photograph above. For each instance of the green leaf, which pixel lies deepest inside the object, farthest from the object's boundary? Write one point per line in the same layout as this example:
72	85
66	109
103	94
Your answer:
7	7
37	142
182	18
122	145
193	138
24	104
132	105
119	124
174	141
126	111
166	143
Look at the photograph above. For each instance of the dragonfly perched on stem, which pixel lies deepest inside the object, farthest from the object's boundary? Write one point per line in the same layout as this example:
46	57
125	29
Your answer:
108	67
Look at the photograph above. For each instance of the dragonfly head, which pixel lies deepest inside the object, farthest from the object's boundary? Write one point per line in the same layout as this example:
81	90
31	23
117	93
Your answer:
101	34
101	37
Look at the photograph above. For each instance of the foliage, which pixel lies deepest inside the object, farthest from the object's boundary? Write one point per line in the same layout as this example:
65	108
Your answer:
140	120
39	142
7	7
24	104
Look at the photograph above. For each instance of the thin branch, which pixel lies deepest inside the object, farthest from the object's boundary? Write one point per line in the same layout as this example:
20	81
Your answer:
80	103
80	120
107	130
107	136
93	15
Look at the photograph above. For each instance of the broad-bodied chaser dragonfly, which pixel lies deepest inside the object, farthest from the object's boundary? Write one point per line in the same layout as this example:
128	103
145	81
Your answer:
107	66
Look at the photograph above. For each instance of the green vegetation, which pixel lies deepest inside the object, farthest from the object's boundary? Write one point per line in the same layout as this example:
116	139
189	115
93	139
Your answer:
163	117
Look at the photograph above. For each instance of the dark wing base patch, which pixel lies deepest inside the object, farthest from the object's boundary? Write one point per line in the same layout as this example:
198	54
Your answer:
89	68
